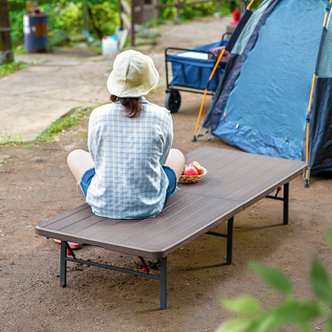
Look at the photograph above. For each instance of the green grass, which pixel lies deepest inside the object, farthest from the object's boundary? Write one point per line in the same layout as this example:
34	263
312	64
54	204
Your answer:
11	139
59	126
69	120
9	68
20	50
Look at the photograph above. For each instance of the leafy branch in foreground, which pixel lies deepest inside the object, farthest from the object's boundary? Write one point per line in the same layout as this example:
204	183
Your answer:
293	311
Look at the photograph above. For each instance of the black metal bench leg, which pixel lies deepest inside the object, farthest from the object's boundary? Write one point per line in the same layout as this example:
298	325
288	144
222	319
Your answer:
163	283
230	223
63	264
286	203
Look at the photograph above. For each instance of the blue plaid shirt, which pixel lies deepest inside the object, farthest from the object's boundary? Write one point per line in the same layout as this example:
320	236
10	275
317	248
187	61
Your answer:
129	153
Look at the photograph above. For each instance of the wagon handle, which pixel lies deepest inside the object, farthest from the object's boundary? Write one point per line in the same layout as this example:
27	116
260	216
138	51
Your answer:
225	34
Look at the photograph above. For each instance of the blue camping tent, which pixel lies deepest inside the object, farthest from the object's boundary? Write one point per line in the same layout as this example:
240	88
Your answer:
261	105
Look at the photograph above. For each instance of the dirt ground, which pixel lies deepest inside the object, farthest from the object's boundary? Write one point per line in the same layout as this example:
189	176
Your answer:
36	185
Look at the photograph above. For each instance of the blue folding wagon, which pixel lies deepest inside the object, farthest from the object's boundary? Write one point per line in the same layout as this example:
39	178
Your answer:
190	71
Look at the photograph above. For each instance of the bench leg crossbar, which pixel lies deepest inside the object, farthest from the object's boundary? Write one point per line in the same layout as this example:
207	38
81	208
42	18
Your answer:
162	277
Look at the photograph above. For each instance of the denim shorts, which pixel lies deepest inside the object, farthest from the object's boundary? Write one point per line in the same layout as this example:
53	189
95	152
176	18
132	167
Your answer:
90	173
171	182
86	180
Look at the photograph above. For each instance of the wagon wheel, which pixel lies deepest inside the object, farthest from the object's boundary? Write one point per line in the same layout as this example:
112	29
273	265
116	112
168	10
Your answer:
173	100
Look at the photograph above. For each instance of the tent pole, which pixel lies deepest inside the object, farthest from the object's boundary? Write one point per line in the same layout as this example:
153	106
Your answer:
205	92
313	86
250	4
210	78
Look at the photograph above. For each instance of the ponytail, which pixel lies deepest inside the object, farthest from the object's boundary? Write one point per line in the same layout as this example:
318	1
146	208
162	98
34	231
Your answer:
132	106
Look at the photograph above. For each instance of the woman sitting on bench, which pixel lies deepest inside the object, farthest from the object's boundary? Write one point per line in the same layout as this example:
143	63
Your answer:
130	170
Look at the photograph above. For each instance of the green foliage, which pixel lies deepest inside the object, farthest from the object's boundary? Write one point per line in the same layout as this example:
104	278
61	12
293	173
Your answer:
320	282
292	311
199	10
187	12
65	17
274	278
246	305
235	325
9	68
104	18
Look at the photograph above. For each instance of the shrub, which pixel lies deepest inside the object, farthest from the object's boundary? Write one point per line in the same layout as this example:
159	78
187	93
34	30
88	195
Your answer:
293	311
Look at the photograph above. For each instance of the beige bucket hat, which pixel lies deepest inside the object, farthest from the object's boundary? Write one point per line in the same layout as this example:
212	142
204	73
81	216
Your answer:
134	75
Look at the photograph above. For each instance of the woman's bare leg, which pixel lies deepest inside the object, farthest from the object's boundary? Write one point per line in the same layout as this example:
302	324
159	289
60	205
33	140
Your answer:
79	161
175	160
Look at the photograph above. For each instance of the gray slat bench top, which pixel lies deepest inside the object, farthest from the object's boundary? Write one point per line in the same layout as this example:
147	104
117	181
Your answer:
234	181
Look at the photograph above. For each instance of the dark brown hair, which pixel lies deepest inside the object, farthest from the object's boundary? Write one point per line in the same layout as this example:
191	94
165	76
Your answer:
132	106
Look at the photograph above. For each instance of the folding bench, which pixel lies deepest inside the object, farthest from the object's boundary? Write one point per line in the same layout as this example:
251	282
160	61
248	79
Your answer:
234	181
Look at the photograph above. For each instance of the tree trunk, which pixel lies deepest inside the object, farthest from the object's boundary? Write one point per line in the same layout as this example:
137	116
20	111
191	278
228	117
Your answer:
6	52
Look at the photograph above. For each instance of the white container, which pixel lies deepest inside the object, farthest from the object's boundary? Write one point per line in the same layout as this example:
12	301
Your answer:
194	55
109	45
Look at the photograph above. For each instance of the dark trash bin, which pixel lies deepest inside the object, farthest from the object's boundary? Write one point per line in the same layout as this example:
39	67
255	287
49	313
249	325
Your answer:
35	26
